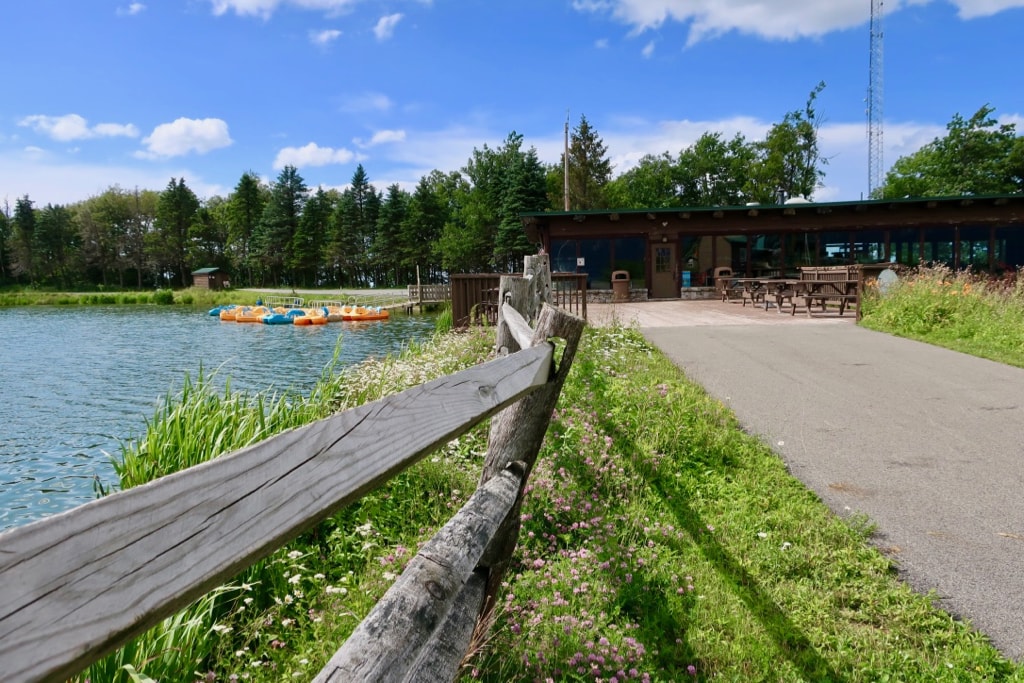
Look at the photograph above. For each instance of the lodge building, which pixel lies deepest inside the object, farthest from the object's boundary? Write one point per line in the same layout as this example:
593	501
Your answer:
674	252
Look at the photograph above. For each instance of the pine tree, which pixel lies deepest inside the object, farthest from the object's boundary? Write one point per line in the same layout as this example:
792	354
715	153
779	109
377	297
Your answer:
387	242
276	229
244	211
23	240
590	170
56	243
175	211
310	237
525	190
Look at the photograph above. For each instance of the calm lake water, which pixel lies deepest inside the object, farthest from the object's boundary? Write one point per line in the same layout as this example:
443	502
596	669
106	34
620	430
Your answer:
74	382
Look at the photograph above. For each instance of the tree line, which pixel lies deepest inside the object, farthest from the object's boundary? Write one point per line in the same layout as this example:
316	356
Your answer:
284	234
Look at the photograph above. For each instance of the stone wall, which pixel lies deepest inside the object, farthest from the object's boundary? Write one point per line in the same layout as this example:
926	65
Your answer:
693	293
606	296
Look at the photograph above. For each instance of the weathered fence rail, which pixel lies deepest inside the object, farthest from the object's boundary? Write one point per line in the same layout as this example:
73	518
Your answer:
75	586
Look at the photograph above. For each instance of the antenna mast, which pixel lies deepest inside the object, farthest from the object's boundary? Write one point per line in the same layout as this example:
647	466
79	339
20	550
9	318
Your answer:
565	163
875	166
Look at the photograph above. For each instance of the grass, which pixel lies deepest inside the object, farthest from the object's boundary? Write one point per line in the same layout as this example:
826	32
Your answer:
659	543
199	298
954	309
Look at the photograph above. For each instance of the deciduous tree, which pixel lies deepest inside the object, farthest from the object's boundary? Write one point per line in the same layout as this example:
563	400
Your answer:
976	156
651	183
713	171
788	159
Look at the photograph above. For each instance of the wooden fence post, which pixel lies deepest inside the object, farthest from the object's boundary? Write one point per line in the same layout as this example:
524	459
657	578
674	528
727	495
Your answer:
517	433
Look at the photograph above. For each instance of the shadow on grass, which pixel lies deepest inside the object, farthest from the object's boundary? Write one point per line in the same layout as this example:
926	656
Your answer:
793	644
790	641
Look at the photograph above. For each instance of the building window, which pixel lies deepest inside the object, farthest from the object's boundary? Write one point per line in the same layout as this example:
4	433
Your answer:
662	260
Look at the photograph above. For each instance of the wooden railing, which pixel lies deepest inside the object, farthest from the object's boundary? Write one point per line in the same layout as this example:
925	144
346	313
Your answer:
285	301
569	292
75	586
475	296
430	293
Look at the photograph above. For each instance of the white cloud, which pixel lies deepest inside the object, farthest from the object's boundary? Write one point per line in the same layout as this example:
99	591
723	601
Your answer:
131	10
972	9
108	130
35	153
312	155
48	181
648	50
265	8
74	127
366	102
446	150
186	135
601	43
1015	120
385	27
775	19
770	19
324	37
382	137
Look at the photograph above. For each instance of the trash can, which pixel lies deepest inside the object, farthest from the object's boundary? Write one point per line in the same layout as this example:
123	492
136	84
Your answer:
686	279
620	285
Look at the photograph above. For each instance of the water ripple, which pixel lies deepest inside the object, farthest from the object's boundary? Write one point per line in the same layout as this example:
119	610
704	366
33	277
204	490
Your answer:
76	381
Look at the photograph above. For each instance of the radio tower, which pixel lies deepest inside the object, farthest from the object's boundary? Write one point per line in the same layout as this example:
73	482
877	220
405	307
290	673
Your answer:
875	178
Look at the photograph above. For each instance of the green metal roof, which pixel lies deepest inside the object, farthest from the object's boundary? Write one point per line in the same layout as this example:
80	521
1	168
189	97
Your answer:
205	271
795	205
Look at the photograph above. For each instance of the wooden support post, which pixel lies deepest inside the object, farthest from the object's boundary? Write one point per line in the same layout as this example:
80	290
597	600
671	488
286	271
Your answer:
390	640
517	434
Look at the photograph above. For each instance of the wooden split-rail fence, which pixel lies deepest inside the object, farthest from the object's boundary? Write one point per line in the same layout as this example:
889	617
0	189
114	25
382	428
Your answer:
76	586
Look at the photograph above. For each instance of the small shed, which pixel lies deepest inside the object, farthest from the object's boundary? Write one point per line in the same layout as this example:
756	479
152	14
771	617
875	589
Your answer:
210	278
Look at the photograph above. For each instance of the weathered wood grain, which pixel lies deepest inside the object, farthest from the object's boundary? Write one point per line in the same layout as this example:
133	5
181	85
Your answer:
77	585
517	434
517	326
516	293
388	642
440	659
537	269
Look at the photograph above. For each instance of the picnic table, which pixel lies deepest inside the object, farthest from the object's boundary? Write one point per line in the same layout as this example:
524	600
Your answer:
759	290
823	291
748	288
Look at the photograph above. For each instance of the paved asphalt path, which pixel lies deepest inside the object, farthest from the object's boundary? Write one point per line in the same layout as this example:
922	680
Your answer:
928	443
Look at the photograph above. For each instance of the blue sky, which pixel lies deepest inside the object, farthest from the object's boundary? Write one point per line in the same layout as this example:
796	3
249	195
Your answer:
126	93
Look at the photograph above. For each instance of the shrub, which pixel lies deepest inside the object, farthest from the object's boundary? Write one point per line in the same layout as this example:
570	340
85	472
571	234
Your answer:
164	297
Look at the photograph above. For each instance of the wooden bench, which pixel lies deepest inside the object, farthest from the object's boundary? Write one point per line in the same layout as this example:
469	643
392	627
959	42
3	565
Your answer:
829	284
726	286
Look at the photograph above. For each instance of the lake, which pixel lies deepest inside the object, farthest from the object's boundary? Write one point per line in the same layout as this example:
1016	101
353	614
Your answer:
76	381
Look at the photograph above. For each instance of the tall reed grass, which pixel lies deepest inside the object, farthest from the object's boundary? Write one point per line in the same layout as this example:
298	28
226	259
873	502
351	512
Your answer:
960	310
201	422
